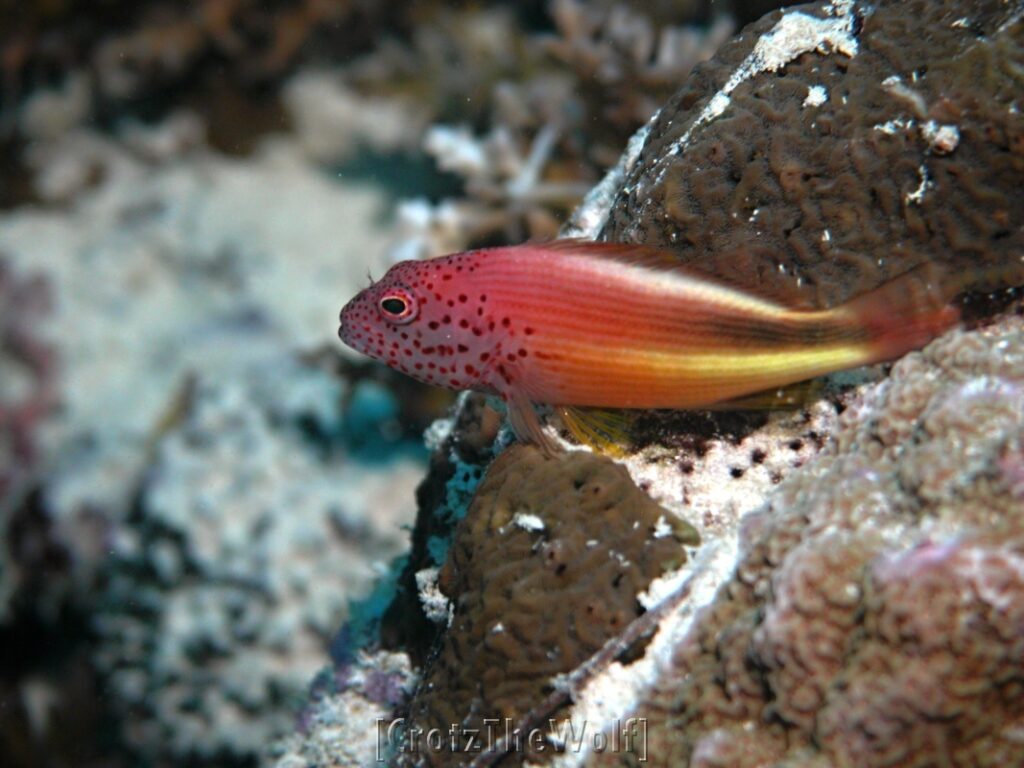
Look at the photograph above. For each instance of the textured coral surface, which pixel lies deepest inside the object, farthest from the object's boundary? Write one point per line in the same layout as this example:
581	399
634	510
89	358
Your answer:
856	598
238	526
839	144
859	601
876	614
545	567
199	198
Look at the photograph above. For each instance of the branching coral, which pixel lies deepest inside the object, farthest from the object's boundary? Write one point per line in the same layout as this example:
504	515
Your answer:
133	47
560	107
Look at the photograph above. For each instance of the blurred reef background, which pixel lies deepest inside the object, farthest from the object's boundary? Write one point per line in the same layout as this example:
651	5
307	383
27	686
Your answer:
228	541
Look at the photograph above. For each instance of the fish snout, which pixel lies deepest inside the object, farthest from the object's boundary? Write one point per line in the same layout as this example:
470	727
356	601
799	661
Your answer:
347	320
342	322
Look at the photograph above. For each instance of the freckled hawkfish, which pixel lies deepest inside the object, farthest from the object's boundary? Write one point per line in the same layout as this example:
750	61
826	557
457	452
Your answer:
576	324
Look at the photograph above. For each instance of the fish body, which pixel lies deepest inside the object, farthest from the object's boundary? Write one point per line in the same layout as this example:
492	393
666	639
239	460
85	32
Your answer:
574	323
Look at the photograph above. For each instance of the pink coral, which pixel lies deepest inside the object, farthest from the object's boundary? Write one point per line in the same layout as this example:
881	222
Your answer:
876	614
27	392
944	678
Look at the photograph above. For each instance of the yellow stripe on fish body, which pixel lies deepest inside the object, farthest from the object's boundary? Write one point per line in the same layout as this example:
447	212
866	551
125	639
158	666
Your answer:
599	375
621	326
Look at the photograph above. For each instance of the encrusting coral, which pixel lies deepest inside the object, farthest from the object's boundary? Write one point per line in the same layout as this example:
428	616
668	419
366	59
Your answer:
236	526
190	407
856	596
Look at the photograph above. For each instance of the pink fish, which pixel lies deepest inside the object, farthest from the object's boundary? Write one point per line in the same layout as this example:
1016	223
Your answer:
574	323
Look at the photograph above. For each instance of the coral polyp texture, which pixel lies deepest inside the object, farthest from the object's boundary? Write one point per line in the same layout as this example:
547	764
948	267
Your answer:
543	570
839	144
198	478
216	497
876	611
239	566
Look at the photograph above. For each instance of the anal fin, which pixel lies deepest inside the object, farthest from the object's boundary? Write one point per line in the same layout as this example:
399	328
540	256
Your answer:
789	397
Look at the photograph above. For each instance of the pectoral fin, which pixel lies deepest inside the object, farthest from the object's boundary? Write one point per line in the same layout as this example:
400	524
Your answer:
524	422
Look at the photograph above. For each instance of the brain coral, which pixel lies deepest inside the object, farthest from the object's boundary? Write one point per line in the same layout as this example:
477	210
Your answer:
838	144
545	567
876	614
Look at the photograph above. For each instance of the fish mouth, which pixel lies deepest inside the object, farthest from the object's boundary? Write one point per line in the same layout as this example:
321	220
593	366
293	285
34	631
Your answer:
345	323
341	324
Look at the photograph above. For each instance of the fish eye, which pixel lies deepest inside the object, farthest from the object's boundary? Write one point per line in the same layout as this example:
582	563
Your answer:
397	307
393	306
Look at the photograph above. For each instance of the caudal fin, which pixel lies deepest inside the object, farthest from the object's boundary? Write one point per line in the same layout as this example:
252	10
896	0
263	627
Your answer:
905	313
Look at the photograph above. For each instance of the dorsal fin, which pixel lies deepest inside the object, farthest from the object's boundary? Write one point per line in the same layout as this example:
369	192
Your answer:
662	259
634	254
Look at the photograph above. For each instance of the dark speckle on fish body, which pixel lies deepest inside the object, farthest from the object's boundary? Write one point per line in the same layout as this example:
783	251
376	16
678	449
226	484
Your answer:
608	325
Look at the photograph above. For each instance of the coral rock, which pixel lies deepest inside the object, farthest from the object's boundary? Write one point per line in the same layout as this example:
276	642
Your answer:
545	567
839	144
876	614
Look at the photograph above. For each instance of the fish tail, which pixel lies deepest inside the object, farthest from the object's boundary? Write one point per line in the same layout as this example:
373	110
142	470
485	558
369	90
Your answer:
904	313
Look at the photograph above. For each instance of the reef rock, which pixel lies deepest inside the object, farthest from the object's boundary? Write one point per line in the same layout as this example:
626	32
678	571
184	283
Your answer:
836	145
856	598
544	569
178	465
876	611
207	271
216	611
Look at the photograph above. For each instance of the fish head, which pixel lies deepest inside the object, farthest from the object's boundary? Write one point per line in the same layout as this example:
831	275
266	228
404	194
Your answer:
418	320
